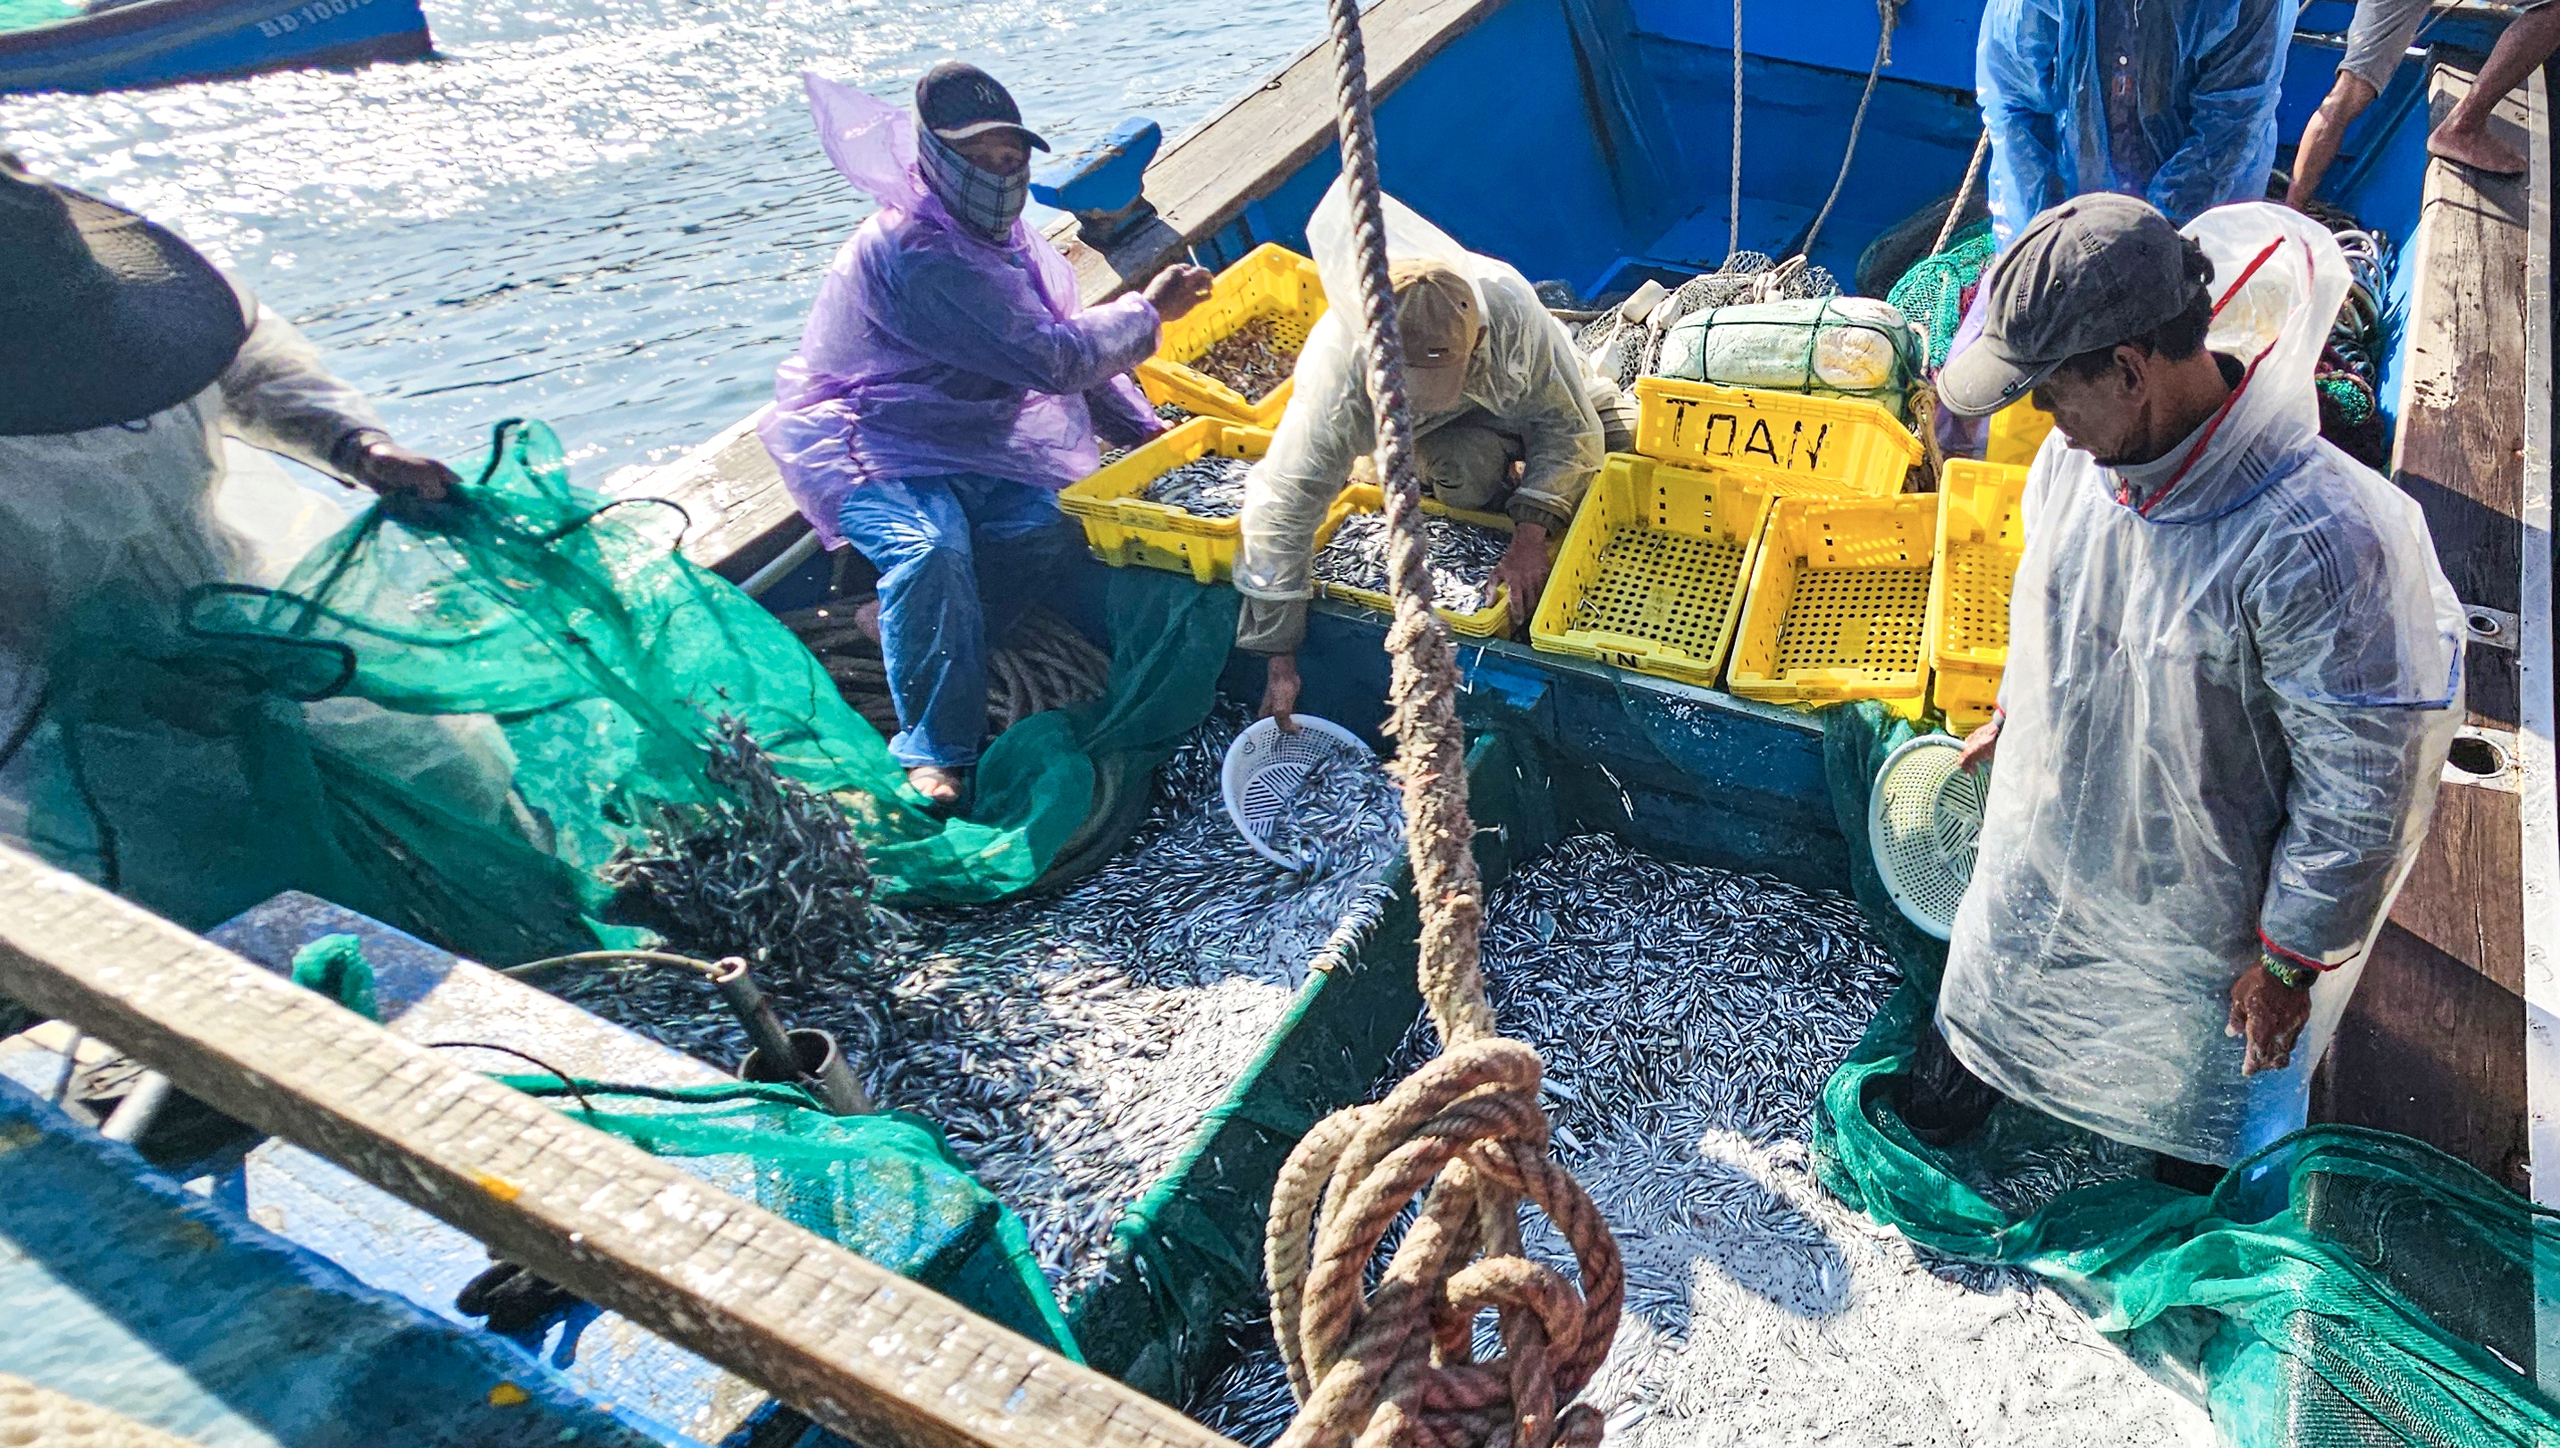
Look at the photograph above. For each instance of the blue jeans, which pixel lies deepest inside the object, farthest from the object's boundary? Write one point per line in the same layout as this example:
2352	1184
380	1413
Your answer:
960	557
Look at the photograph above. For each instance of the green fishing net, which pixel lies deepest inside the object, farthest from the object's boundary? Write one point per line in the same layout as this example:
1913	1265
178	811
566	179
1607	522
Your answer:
1932	292
452	716
2341	1287
885	1186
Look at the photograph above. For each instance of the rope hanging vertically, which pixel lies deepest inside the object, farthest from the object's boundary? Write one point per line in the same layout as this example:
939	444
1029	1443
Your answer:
1396	1366
1964	192
1733	231
1888	14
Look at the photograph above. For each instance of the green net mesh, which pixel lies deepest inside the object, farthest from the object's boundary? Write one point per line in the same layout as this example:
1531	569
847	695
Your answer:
451	717
2341	1287
884	1186
1932	292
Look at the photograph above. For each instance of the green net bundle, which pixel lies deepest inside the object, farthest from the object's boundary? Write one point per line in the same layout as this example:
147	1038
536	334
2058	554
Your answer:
884	1186
454	717
1932	292
2341	1287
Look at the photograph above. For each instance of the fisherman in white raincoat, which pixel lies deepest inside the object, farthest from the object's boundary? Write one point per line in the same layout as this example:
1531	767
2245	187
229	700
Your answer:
131	360
2234	674
1507	418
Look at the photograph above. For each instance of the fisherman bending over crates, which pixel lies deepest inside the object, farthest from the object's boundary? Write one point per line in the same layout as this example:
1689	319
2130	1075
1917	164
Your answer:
1507	417
948	384
2235	670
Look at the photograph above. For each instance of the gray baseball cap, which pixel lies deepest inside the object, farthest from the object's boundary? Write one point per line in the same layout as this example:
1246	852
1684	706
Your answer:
2091	273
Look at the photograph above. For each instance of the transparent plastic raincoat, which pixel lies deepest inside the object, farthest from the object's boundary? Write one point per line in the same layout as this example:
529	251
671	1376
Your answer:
150	509
930	351
2225	716
1525	372
2172	101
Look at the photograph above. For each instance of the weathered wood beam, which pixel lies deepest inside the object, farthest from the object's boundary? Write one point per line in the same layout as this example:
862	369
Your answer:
859	1349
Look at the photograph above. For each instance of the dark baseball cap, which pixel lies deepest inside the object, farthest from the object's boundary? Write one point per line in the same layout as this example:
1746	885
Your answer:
2096	271
956	100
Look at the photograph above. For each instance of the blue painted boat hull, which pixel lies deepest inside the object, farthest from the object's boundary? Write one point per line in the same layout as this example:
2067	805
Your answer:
165	42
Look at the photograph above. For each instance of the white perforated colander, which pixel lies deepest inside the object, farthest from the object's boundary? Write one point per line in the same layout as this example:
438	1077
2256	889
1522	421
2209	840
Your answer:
1922	819
1265	768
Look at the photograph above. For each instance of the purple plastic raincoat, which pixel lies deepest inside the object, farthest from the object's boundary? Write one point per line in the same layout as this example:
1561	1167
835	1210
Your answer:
931	352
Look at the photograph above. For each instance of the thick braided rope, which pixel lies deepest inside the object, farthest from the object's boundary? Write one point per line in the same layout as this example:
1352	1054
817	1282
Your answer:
1395	1366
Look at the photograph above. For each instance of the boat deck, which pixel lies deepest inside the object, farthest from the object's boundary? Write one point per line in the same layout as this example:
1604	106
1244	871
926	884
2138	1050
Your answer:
2434	1043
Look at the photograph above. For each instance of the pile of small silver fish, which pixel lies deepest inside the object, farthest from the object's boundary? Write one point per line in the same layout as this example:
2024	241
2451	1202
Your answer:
1173	414
771	871
1211	487
1688	1018
1460	555
1251	359
1068	1046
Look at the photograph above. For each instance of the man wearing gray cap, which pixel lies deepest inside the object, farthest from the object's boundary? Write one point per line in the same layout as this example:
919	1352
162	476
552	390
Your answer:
2234	673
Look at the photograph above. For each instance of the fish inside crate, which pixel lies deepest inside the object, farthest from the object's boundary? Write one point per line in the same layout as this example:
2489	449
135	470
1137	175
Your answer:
1070	1045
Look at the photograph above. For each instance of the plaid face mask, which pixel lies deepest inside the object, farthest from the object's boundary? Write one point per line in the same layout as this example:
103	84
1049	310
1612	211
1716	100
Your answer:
981	200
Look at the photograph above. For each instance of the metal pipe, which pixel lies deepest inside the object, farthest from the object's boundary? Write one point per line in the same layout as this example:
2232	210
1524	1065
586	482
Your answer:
805	1058
134	1113
772	573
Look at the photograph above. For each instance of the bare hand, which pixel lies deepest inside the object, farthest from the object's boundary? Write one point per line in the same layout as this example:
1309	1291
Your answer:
386	467
1177	289
1523	569
2269	1015
1280	691
1979	744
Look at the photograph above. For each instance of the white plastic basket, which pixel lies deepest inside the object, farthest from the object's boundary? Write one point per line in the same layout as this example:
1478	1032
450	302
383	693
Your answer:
1267	765
1923	817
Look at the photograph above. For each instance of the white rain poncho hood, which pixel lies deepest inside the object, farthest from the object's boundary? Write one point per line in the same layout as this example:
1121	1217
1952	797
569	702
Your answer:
2233	679
1525	373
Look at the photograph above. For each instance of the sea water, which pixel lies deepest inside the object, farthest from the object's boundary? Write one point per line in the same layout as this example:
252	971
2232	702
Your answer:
608	214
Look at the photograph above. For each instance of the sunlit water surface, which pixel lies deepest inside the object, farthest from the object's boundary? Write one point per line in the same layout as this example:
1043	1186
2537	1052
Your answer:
609	214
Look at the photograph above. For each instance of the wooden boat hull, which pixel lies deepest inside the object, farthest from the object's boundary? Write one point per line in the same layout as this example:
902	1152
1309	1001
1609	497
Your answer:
166	42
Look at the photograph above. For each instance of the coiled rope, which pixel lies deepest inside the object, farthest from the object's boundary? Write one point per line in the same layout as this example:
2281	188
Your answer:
1396	1366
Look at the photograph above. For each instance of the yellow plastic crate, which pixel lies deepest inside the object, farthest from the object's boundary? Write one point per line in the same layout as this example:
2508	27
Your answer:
2017	431
1980	535
1123	528
1652	573
1486	622
1839	603
1271	281
1807	447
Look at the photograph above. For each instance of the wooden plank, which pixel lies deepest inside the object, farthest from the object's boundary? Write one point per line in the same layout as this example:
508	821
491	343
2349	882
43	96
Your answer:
2427	1049
2461	440
2433	1043
1246	151
863	1352
2460	897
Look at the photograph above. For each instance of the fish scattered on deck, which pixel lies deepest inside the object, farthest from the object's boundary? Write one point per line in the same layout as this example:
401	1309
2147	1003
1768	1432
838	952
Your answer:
1069	1045
1689	1018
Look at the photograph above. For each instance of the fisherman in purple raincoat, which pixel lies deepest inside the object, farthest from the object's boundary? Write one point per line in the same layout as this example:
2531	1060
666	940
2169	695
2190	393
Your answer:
949	382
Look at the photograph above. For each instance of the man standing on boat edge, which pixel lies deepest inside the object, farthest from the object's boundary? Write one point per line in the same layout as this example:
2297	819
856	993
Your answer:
2172	102
947	385
2234	674
1507	416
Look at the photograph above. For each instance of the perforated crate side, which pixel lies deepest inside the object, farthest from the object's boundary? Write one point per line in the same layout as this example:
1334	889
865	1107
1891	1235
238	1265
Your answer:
1838	608
1652	574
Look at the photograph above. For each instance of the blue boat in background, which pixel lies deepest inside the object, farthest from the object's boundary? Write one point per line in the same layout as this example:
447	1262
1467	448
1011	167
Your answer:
165	42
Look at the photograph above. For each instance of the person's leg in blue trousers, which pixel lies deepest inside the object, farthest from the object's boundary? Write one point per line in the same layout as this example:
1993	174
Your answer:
960	557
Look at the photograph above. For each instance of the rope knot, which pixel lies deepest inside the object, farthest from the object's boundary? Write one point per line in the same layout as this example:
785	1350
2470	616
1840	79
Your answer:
1397	1365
